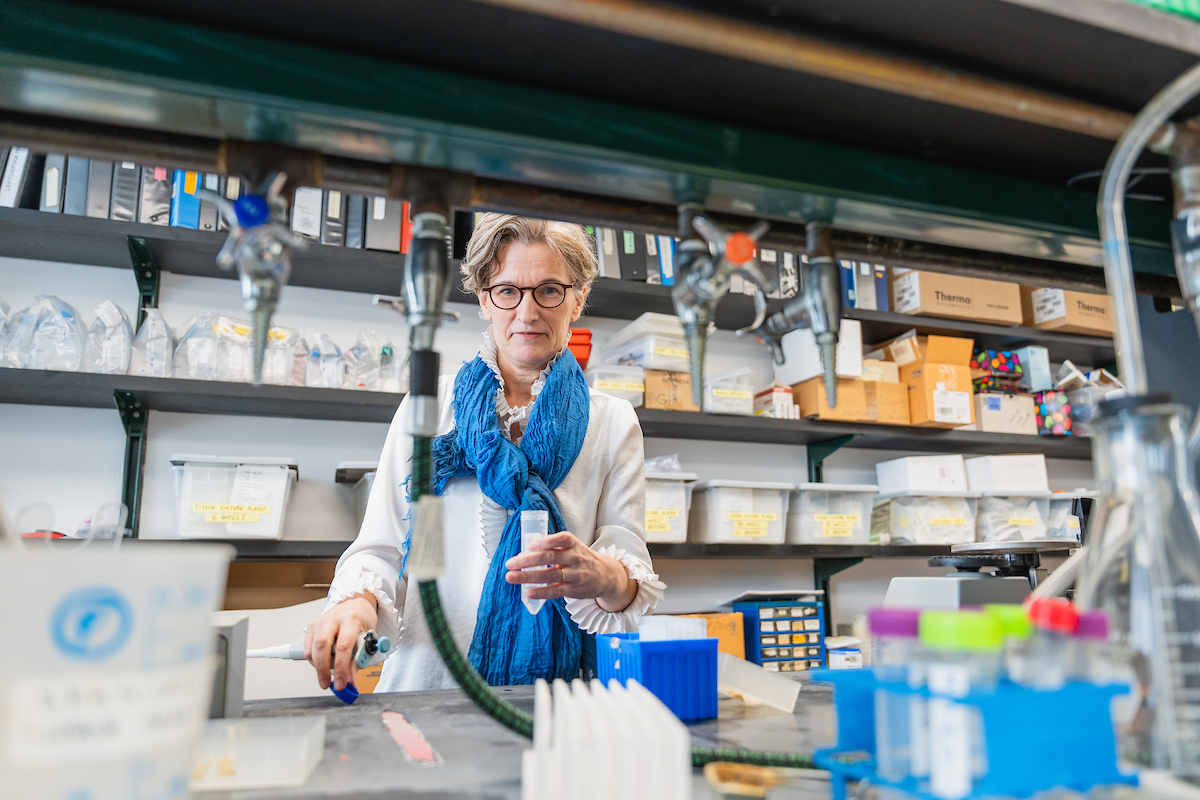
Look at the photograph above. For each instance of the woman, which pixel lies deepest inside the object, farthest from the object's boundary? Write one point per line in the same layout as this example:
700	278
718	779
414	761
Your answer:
583	452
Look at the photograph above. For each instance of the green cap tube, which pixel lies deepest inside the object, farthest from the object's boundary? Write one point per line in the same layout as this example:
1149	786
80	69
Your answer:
961	631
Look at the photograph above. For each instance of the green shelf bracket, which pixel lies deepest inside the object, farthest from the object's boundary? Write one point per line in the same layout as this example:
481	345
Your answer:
819	451
823	570
134	417
145	272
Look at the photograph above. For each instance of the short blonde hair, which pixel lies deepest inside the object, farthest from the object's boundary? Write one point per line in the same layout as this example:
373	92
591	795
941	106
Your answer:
494	232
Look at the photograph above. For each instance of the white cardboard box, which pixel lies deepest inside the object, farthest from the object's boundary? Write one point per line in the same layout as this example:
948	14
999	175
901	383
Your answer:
1003	413
927	474
1015	473
802	357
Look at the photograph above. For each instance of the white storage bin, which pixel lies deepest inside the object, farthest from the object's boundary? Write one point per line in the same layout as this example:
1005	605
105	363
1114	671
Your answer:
1012	518
226	497
830	513
739	512
627	383
928	475
947	518
1062	525
257	753
358	477
1014	474
668	499
652	341
729	393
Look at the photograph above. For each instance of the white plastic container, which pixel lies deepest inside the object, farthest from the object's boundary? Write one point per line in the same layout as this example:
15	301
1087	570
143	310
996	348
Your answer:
257	753
1013	474
358	477
652	341
1062	525
1013	518
226	497
946	518
729	393
926	474
668	500
739	512
830	513
627	383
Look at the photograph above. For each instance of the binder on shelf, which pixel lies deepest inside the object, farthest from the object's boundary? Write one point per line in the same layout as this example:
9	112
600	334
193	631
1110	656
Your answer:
3	159
75	190
864	285
666	260
306	211
126	188
847	274
356	214
333	222
31	185
460	235
155	205
606	253
231	188
99	188
653	271
768	261
54	175
209	213
882	297
185	202
405	226
789	276
632	256
383	224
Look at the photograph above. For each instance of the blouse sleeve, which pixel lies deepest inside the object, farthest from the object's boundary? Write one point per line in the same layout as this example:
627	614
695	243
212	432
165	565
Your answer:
620	528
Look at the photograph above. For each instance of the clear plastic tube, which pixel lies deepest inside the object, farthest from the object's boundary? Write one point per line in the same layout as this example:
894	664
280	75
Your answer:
535	525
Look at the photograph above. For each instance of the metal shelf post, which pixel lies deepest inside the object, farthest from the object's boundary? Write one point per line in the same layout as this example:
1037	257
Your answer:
135	418
145	272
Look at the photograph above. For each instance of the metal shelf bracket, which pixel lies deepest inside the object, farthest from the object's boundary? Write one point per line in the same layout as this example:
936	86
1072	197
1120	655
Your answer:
818	452
135	418
146	273
823	570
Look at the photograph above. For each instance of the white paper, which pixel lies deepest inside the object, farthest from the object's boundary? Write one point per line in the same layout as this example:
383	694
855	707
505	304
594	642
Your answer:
952	407
259	485
306	211
1048	304
907	291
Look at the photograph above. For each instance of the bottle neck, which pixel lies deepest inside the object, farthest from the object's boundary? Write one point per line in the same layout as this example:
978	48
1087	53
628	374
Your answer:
1139	450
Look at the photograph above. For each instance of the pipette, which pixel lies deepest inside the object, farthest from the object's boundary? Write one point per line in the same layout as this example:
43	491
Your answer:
366	646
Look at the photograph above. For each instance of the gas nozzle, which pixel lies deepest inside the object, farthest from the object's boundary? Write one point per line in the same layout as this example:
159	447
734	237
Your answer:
259	245
817	307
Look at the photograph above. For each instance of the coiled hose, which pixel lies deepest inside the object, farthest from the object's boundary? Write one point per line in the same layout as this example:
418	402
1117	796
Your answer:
504	712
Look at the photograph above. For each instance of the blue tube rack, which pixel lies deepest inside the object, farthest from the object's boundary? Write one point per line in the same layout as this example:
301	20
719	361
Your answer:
682	673
1035	739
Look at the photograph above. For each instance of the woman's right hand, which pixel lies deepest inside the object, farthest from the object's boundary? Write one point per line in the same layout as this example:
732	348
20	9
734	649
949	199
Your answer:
339	628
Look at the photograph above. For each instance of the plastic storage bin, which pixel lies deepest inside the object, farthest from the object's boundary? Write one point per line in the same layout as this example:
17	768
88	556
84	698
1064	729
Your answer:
668	499
830	513
784	635
739	512
1003	517
729	393
1062	525
682	672
257	753
358	477
627	383
947	518
224	497
652	341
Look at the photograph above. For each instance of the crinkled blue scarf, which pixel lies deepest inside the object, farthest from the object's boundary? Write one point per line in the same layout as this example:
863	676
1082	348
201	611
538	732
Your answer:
510	645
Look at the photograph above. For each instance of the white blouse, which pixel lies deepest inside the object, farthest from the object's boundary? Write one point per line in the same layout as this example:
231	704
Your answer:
602	500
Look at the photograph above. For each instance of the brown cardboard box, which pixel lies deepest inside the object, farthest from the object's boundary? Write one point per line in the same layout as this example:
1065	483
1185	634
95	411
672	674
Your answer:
671	391
1004	413
937	372
1068	312
875	369
727	629
954	296
851	400
885	403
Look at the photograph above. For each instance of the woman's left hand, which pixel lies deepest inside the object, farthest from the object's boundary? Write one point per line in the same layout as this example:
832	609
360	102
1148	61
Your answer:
572	569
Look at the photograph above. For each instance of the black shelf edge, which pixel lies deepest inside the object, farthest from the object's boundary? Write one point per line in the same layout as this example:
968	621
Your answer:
38	235
761	430
274	550
814	551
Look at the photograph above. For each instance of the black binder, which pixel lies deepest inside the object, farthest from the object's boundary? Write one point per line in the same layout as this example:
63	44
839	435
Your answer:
99	188
155	206
208	211
333	220
76	187
126	188
54	175
631	247
356	212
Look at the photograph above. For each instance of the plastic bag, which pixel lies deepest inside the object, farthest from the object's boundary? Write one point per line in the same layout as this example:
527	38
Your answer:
214	348
153	351
47	335
325	364
664	464
363	362
279	359
235	355
393	373
109	341
299	361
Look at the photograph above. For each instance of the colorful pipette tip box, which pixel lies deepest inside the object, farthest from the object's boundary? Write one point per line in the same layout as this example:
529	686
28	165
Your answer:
1052	412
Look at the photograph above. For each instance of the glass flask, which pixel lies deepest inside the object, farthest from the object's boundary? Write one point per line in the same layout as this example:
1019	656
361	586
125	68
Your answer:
1143	571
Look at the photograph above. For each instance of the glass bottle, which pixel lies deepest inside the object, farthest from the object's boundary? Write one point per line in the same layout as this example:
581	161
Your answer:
1143	571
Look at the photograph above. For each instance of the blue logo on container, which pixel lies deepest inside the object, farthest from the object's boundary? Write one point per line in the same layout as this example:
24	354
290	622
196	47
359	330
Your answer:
91	624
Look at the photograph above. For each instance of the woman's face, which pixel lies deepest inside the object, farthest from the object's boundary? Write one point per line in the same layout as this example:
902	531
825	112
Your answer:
528	336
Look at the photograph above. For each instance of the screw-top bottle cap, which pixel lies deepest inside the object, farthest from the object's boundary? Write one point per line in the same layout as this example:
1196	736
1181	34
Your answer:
894	622
1014	622
1092	625
739	248
251	210
1053	614
962	631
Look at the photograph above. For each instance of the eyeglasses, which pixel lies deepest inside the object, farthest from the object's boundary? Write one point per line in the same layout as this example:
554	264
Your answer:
506	296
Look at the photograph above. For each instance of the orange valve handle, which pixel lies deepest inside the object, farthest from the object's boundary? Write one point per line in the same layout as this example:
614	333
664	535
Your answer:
739	248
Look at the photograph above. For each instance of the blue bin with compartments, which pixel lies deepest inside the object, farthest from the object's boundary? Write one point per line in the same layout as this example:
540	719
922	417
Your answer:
681	672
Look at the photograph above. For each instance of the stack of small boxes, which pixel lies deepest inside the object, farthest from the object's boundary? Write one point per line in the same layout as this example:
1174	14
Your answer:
785	632
1005	383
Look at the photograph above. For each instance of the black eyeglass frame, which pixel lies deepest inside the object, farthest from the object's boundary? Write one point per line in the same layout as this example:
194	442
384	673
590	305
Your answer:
523	290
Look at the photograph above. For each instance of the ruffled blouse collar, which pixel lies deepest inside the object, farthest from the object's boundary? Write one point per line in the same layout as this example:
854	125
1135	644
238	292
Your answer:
508	415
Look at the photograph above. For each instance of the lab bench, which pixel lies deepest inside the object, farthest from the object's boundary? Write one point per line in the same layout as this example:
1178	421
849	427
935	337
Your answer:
482	759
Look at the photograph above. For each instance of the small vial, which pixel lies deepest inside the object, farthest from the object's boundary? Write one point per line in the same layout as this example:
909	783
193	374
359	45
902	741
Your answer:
1087	657
1055	621
901	720
535	525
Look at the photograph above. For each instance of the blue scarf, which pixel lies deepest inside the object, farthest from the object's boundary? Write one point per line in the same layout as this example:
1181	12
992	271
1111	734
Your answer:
510	645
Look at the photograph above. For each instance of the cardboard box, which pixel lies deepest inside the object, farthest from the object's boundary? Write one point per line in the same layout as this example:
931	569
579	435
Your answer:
802	356
956	297
1011	473
1036	361
671	391
1004	413
929	474
1067	312
885	403
937	372
728	629
851	400
875	369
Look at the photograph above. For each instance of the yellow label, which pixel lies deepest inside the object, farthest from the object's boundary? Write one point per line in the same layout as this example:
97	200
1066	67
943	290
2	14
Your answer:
1073	523
670	352
231	516
836	524
620	386
278	334
750	530
741	394
836	517
948	521
231	508
1022	521
741	516
189	182
662	512
658	526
